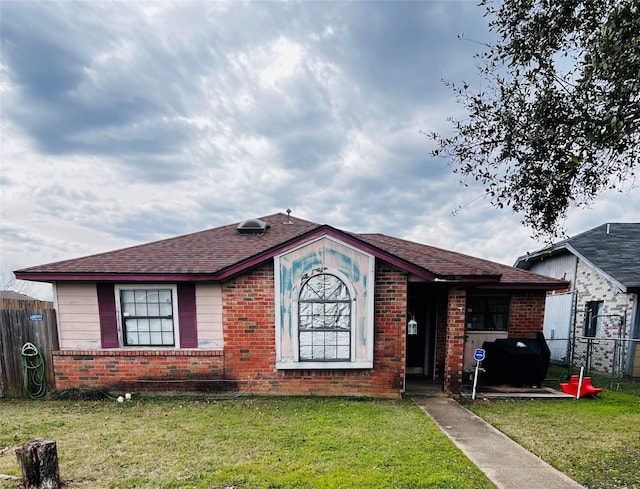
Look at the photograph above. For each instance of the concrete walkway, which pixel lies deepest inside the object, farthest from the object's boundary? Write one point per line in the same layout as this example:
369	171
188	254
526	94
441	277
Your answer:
507	464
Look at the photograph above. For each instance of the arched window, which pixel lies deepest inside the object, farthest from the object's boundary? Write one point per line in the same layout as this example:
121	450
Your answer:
324	319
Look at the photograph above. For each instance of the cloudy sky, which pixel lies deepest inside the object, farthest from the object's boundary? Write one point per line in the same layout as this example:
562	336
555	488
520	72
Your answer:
127	122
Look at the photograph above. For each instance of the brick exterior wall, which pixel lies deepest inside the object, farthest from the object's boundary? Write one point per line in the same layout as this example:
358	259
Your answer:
143	370
249	335
526	317
592	286
454	337
526	314
247	363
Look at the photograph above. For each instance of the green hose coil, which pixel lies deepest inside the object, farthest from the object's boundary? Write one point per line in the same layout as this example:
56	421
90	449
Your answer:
34	374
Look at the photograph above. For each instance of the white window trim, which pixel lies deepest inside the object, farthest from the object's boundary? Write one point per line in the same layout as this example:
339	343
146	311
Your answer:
369	305
174	305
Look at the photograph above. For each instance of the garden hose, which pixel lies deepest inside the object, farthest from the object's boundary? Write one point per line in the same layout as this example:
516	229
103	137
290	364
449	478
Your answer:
34	375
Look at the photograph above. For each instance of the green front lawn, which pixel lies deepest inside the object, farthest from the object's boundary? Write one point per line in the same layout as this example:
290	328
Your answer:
241	443
594	441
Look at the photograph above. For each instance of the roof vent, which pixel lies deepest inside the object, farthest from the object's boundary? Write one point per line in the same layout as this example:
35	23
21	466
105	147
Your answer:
252	226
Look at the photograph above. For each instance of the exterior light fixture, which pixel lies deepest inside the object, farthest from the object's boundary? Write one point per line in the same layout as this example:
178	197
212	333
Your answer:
412	326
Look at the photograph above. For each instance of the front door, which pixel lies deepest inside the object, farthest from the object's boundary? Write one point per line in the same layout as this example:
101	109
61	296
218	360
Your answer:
421	347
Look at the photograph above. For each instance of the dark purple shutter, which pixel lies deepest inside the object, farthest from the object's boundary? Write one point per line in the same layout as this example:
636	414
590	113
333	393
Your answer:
108	320
187	316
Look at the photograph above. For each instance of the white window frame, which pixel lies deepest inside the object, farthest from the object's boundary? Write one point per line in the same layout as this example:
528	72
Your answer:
363	306
295	303
174	306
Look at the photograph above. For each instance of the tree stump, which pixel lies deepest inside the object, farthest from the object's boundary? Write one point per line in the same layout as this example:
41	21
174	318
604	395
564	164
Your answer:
38	461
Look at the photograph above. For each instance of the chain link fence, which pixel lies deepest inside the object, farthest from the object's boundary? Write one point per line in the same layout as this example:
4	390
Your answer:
598	344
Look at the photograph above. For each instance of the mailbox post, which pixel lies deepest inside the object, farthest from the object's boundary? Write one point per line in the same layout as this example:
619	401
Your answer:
478	356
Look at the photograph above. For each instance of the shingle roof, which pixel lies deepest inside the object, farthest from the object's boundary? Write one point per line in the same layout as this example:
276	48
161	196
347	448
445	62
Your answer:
613	248
16	296
218	253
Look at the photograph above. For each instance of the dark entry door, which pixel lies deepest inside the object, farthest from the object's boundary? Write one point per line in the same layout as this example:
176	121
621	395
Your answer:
421	347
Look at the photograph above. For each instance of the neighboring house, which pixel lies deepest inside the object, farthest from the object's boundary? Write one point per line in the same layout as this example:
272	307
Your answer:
15	296
599	313
281	305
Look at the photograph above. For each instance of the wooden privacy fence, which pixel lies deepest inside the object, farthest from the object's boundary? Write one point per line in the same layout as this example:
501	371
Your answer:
20	326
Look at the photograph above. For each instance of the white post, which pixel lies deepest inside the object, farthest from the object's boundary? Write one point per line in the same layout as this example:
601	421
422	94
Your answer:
475	381
580	383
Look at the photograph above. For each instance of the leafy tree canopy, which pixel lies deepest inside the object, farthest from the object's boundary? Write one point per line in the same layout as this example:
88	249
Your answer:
558	118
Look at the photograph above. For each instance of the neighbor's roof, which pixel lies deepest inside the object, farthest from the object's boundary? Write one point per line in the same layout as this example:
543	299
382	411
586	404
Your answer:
222	252
16	296
612	248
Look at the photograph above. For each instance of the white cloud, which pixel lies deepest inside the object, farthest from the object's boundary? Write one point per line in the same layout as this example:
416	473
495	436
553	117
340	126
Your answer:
128	122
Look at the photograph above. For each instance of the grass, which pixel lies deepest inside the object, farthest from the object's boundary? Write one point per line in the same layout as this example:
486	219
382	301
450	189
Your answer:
625	385
241	443
594	441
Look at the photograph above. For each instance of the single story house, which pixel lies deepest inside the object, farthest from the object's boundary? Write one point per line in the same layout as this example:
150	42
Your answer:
599	314
281	305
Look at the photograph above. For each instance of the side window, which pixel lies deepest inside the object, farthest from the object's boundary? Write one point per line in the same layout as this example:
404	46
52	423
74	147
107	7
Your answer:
147	317
593	318
488	313
324	319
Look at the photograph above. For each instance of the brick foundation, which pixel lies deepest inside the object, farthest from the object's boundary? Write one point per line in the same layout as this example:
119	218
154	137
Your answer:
140	370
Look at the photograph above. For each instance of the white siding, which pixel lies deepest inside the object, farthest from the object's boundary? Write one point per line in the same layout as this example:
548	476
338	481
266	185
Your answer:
558	316
209	316
561	266
79	321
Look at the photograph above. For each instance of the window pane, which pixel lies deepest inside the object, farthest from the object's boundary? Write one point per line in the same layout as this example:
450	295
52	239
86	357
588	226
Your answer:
147	311
324	308
343	352
153	309
167	324
488	313
318	352
141	309
164	296
129	308
152	296
131	325
165	310
305	352
306	339
305	309
330	338
343	322
344	339
317	322
127	296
